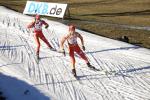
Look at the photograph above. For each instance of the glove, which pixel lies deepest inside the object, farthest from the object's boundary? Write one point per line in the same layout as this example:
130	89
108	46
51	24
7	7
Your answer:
46	26
83	47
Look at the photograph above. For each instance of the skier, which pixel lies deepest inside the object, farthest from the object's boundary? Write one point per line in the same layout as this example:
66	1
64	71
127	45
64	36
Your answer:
37	25
71	39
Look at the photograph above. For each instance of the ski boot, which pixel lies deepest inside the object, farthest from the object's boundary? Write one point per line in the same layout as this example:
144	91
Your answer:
90	66
74	72
37	56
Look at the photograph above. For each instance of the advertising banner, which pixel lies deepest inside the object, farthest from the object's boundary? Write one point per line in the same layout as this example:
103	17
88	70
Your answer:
44	8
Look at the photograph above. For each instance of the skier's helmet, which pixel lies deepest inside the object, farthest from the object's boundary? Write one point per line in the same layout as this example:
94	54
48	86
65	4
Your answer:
72	27
37	17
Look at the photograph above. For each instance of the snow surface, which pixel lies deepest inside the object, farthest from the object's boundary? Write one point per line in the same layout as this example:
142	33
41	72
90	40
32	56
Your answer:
22	78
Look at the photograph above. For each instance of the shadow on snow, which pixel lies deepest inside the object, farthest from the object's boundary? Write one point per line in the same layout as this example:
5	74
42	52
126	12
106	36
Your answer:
113	49
19	90
10	47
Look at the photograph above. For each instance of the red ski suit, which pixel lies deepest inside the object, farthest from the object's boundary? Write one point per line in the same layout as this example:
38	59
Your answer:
37	25
74	47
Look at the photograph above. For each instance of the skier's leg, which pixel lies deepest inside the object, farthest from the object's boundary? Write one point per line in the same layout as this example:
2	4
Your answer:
42	37
38	43
83	56
72	58
81	53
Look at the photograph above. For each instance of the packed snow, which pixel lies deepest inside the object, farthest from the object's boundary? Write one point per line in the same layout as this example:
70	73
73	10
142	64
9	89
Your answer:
22	78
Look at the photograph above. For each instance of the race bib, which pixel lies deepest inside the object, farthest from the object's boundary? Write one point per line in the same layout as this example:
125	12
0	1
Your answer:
72	40
38	25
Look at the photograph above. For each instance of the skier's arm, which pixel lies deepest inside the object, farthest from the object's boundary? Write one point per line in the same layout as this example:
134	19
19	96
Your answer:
30	25
81	38
82	41
62	42
46	25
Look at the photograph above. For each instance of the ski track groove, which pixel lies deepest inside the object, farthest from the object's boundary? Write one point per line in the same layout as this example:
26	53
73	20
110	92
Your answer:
54	44
128	90
66	85
34	63
58	79
53	77
94	87
30	56
92	57
103	86
50	76
72	80
120	66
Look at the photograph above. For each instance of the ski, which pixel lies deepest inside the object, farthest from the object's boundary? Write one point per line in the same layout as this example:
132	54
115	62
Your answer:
105	72
75	76
93	68
78	79
58	51
102	71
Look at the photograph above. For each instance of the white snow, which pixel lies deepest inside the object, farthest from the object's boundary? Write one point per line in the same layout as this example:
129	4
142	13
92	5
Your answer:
21	78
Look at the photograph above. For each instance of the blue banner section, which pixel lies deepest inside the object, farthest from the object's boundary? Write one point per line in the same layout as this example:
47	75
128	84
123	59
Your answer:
40	8
44	8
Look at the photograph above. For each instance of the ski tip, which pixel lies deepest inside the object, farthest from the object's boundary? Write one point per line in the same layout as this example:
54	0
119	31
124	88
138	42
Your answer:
78	78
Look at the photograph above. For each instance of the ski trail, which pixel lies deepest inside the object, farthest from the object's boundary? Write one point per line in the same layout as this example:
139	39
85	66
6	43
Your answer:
120	68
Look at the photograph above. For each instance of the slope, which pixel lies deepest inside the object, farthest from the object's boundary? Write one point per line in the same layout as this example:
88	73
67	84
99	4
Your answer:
52	75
